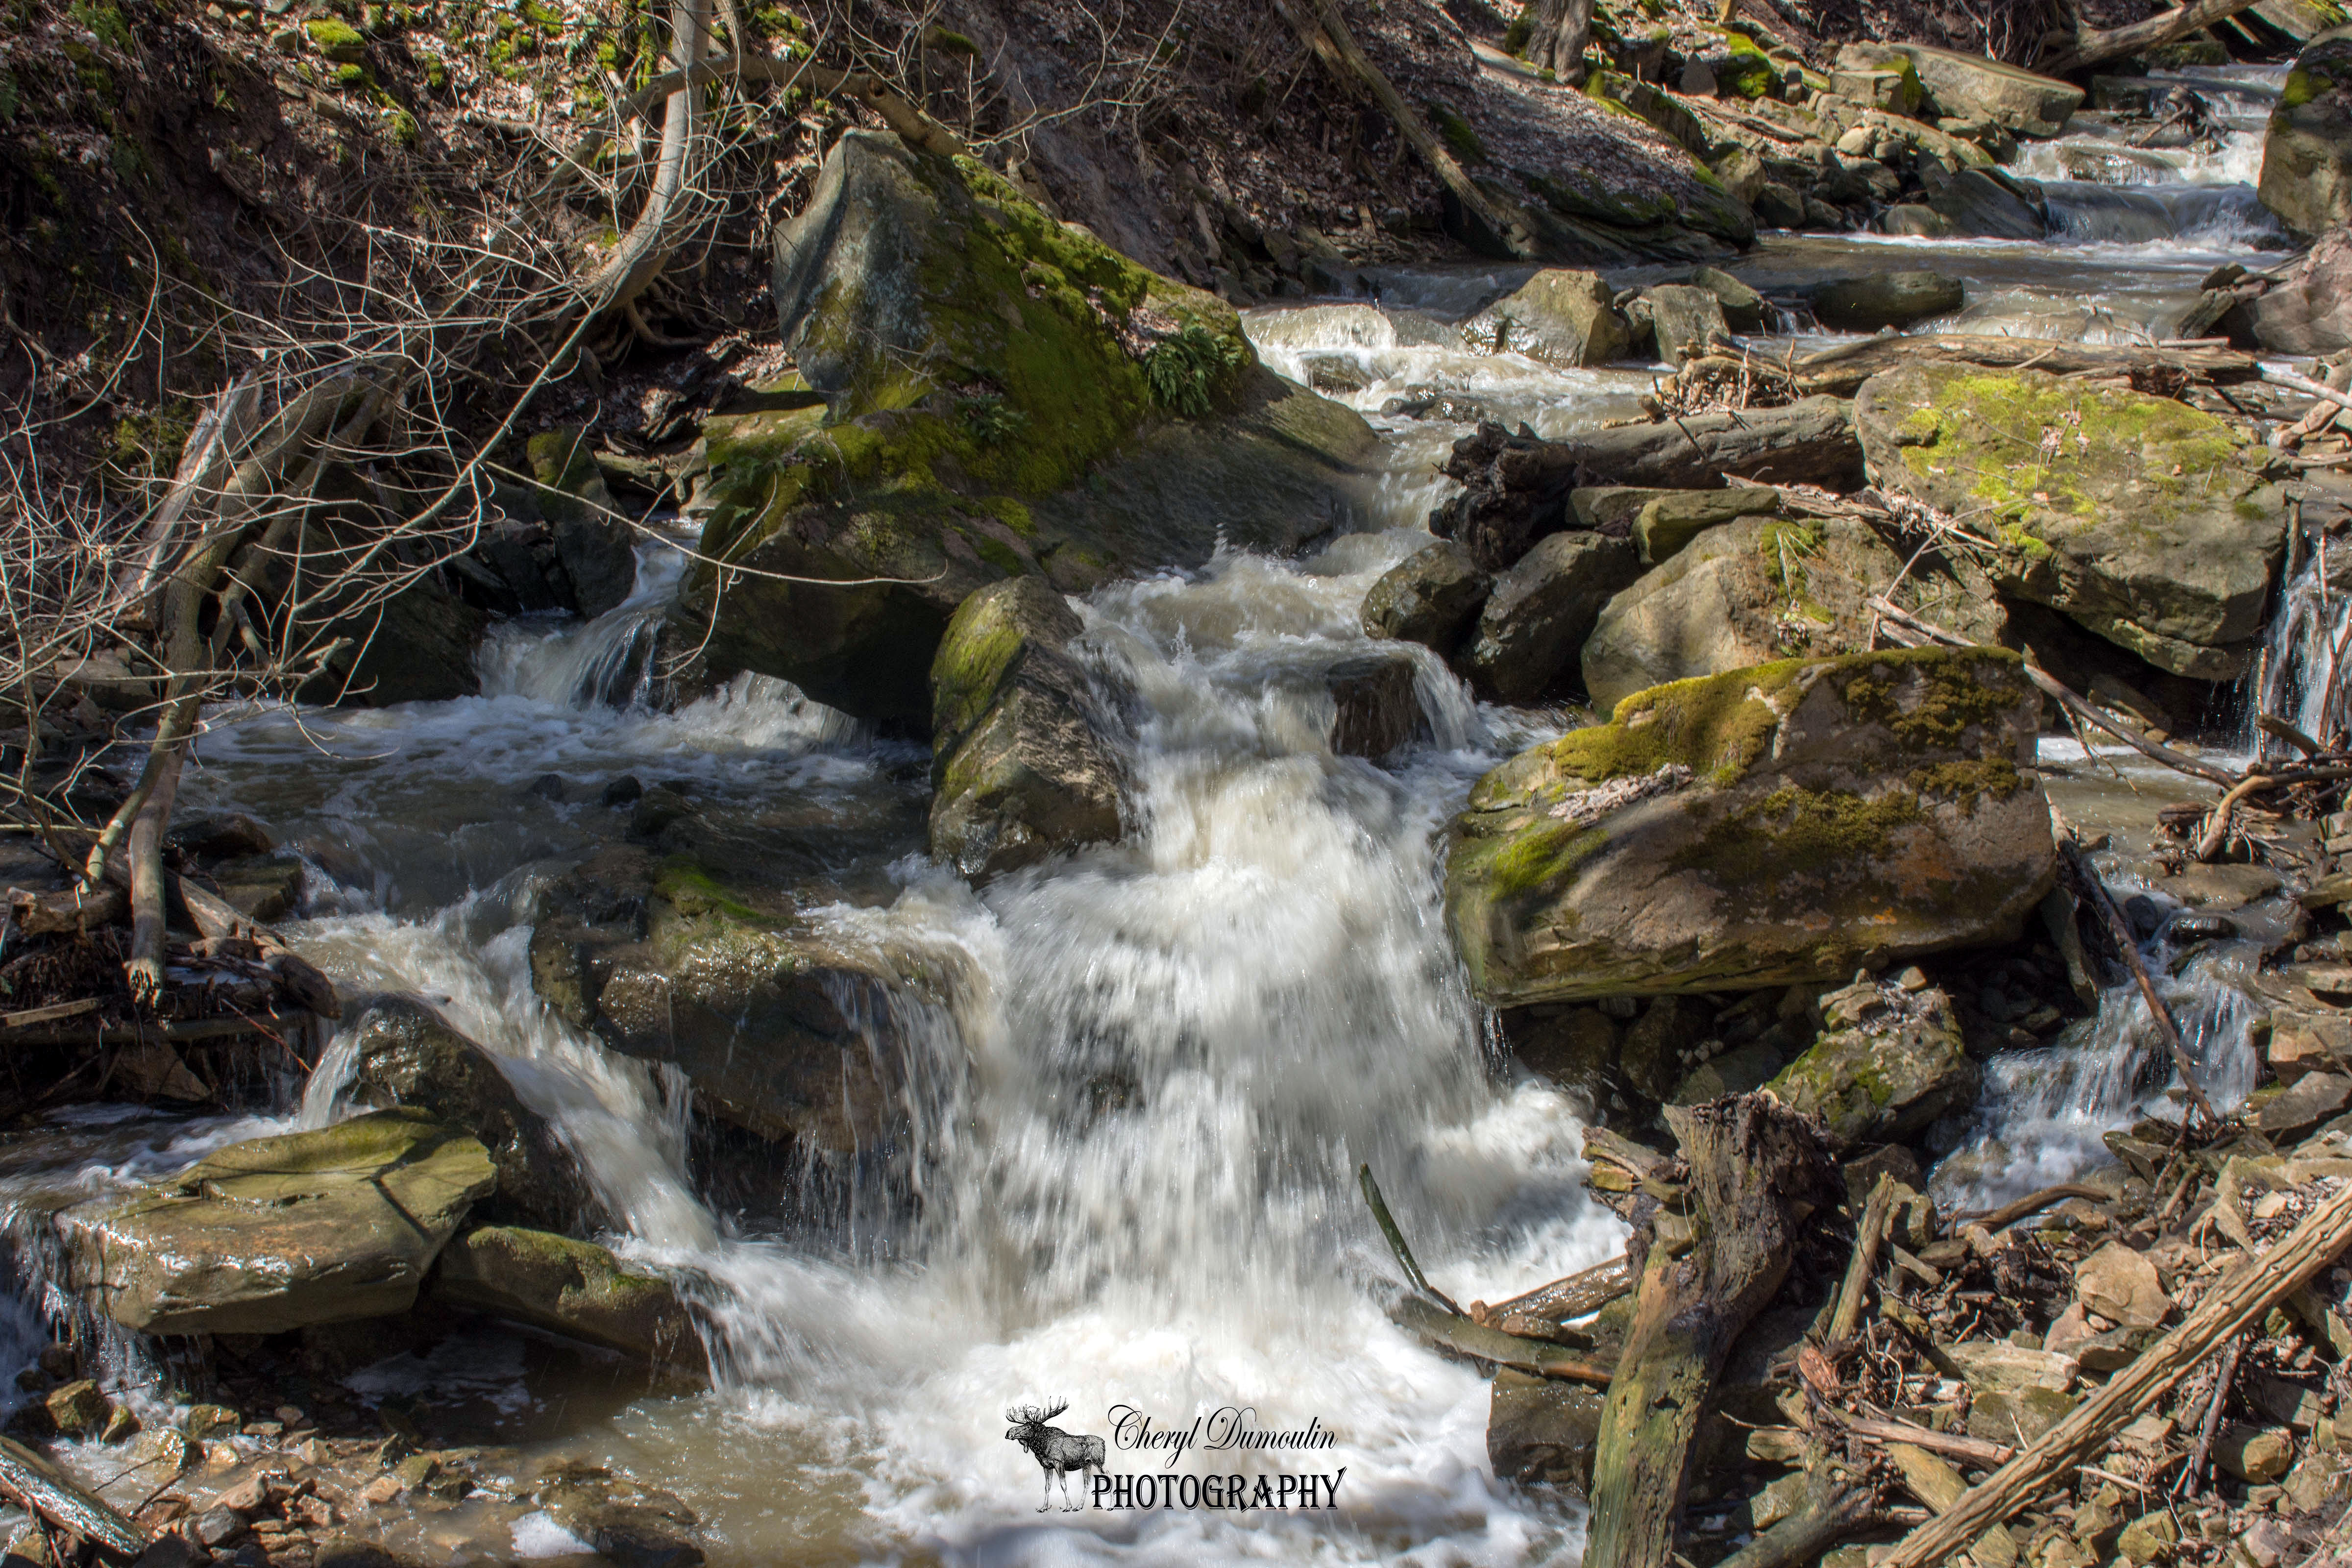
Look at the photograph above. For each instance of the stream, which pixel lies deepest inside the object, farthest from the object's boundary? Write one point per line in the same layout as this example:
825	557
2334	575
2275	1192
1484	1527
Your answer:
1140	1080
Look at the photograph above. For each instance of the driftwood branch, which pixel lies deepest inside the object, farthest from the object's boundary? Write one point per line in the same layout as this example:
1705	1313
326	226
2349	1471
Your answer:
2242	1296
2092	48
1866	1237
38	1486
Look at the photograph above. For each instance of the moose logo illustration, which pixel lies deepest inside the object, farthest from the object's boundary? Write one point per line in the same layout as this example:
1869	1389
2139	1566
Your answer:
1058	1452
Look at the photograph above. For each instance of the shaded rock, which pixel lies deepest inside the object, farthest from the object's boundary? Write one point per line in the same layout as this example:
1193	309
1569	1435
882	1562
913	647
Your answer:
1540	1429
629	1525
1769	826
2017	1417
1975	202
2304	1105
1883	299
1745	593
405	1054
1683	318
2309	310
907	281
1430	597
1735	1071
1894	87
597	548
1374	710
415	646
2121	1284
1894	1070
2144	521
1743	308
1559	316
1542	610
670	960
1022	763
2254	1454
1612	509
78	1409
573	1288
2306	175
259	1238
1576	1048
1671	521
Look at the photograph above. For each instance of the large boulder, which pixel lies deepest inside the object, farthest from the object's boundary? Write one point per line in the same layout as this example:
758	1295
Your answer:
1972	87
259	1238
1558	316
1747	591
1784	824
568	1287
1887	1062
1022	763
596	547
1883	299
2307	150
670	960
2309	310
403	1053
1684	318
1542	610
1005	396
1670	520
1430	597
2144	520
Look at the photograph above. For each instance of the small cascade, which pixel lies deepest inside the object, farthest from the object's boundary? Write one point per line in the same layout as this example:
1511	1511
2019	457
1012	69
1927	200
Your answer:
607	662
2309	636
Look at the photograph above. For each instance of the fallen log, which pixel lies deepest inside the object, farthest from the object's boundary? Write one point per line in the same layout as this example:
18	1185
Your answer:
1867	1236
2241	1296
1839	372
69	909
1573	1297
1758	1170
1453	1331
35	1483
2113	43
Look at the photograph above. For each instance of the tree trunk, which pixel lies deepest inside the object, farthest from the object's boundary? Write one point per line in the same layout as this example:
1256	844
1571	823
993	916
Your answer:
1757	1171
2090	48
1557	32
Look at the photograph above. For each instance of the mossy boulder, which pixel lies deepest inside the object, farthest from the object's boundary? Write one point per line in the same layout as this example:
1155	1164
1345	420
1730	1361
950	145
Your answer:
597	548
259	1238
573	1288
2143	520
337	40
403	1053
676	961
1023	762
1786	822
1972	87
2307	175
1005	395
1897	1063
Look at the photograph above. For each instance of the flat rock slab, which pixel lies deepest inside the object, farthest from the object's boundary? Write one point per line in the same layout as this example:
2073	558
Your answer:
259	1238
573	1288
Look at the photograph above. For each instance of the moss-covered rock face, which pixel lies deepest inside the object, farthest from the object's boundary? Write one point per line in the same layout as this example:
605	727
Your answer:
1005	396
1895	1062
1784	823
2142	519
573	1288
2307	149
1022	763
259	1238
670	959
597	548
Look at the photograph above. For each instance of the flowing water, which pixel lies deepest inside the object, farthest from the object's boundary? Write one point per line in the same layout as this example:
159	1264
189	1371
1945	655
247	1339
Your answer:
1140	1080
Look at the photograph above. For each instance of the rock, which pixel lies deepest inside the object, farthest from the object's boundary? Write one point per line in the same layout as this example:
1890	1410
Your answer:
1741	173
1430	597
208	1421
1745	593
672	961
1611	509
1997	1367
1778	206
1750	1067
1762	827
415	646
1539	1429
2309	310
1889	1075
1542	610
405	1054
2303	1105
1657	1053
2303	1041
1743	308
1883	299
78	1409
1664	525
2018	1416
1684	318
1022	761
2254	1454
259	1238
1971	86
631	1525
1576	1049
173	1550
1557	316
2306	175
598	550
1894	87
2150	1538
1975	202
342	1551
2121	1284
1374	710
907	281
2318	1480
2144	520
572	1288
